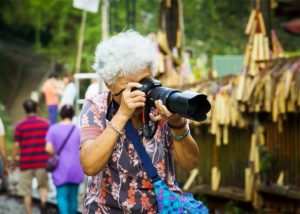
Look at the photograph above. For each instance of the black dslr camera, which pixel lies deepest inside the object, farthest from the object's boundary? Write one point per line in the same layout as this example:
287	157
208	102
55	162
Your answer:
188	104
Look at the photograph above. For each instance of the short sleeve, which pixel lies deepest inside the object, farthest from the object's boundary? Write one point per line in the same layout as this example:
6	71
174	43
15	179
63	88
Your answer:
92	121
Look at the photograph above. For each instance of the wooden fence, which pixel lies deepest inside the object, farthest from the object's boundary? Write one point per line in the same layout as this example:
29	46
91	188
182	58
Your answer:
285	149
232	159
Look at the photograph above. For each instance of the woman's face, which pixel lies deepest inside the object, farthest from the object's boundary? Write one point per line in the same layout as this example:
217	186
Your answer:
121	83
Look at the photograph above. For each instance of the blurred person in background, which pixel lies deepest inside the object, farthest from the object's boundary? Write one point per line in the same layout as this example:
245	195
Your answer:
118	182
3	158
52	91
92	89
29	137
69	91
68	174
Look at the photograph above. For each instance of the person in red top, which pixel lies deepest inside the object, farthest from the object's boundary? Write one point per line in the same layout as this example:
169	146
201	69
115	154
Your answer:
29	137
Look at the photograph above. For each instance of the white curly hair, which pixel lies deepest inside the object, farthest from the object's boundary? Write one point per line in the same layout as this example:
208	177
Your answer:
125	54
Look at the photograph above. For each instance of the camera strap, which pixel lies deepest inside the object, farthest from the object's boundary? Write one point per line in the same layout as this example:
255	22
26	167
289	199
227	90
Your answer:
140	149
148	131
111	107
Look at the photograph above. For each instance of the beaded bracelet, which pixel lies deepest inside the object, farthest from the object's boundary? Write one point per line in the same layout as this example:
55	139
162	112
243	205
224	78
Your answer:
116	130
181	137
178	127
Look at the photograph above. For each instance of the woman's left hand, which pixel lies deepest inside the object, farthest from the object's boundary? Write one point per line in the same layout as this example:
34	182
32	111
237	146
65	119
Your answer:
165	114
185	153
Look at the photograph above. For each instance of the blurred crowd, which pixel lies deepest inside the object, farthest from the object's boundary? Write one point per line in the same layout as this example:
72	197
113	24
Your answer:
37	140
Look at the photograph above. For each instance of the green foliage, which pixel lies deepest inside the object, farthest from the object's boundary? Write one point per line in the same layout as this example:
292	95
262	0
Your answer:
216	27
200	197
146	12
8	128
266	159
52	27
232	208
293	53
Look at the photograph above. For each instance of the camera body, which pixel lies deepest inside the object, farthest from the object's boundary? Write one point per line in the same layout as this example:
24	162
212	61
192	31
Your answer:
188	104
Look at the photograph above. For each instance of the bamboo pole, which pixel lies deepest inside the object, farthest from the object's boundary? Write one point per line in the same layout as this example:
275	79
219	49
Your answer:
249	181
80	41
252	33
191	179
261	23
266	48
225	135
250	21
261	47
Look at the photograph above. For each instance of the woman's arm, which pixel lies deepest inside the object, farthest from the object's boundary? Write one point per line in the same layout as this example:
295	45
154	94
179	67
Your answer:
49	148
94	154
186	150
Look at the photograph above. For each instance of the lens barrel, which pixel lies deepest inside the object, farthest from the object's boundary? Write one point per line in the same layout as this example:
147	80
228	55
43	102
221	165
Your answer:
188	104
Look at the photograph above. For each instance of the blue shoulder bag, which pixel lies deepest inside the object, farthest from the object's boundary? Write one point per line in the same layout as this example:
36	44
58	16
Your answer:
168	201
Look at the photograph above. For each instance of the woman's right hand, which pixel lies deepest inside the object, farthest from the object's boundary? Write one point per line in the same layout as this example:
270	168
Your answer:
131	100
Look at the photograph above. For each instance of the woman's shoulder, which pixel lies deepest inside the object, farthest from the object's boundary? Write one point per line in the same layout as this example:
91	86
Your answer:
99	100
61	124
56	127
94	106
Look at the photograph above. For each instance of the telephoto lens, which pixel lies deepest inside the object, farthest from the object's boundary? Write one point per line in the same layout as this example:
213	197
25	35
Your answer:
188	104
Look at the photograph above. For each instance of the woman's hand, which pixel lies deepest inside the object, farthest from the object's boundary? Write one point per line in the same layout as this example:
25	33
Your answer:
165	114
131	100
186	151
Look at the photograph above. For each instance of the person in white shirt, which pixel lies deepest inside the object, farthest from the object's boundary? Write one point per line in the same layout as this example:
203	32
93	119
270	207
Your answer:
93	89
70	91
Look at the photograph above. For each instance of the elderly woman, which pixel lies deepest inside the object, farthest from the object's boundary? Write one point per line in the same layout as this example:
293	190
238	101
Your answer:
118	182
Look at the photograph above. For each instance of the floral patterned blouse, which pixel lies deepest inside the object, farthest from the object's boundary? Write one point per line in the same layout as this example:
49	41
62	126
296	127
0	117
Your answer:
123	185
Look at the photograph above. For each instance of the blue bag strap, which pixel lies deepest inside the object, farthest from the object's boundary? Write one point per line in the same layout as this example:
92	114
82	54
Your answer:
143	155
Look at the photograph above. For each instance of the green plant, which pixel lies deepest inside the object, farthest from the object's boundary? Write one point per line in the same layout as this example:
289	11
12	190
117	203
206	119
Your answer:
232	208
8	128
266	159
